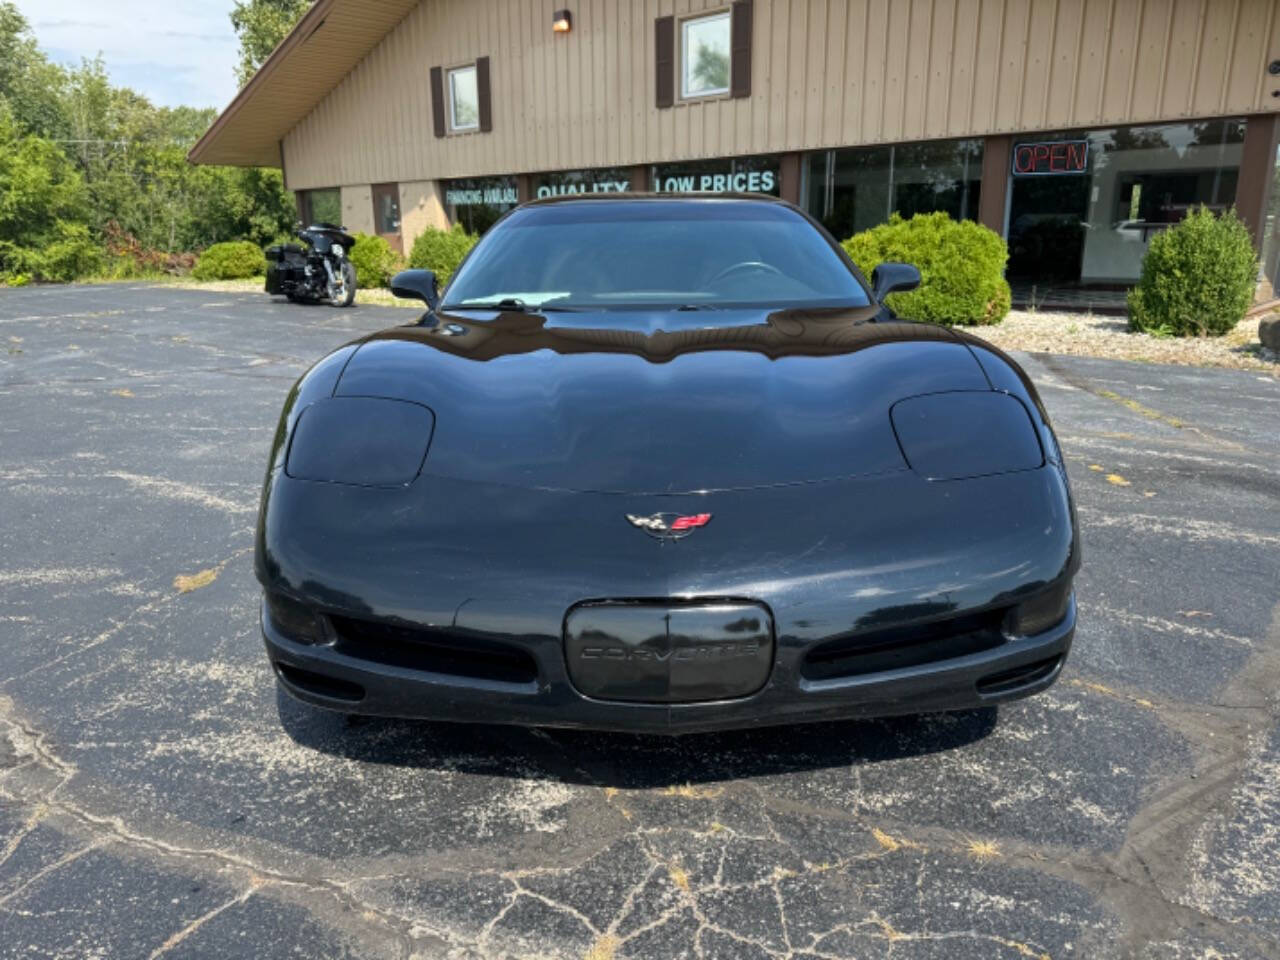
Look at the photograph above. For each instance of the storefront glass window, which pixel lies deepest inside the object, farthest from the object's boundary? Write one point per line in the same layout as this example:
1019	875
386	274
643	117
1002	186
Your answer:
476	202
734	175
324	206
1089	219
603	180
856	189
1271	238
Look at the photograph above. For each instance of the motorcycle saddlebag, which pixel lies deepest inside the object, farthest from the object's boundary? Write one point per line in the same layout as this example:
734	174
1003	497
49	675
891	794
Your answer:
284	264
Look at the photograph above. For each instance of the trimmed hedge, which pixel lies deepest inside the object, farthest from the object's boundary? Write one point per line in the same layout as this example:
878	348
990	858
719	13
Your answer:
441	251
375	262
1197	277
961	267
235	260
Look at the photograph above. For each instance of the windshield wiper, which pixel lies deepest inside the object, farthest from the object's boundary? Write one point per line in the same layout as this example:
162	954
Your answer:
511	305
514	304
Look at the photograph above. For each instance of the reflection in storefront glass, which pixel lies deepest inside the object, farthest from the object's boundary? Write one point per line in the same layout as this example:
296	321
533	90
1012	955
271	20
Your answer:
1094	226
856	189
325	206
1271	238
477	202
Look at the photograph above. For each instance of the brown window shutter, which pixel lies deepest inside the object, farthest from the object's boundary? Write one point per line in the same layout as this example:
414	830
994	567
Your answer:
482	94
664	45
740	50
437	100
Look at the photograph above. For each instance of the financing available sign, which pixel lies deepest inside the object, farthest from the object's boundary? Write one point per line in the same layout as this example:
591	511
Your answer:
493	196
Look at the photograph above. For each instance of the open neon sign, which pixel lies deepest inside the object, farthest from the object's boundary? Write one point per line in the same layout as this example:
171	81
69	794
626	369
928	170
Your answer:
1053	157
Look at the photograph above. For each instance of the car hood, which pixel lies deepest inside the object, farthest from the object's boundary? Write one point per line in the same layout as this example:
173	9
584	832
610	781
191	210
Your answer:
664	401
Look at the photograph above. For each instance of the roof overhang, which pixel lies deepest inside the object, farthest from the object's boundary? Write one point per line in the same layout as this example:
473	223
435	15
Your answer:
326	45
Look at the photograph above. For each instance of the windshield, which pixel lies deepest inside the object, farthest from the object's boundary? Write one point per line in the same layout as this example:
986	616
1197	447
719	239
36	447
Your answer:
653	253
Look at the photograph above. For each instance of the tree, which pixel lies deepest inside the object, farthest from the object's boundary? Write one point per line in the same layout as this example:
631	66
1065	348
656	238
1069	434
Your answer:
30	85
711	68
261	25
88	168
43	205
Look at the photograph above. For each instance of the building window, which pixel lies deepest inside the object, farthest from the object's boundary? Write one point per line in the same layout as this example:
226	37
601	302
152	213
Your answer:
322	206
1091	225
856	189
464	99
1271	234
704	56
477	202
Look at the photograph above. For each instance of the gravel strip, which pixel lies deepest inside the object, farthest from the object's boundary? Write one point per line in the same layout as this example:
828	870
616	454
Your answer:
1090	335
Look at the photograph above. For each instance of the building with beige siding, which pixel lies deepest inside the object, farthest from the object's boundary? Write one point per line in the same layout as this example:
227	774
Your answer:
1077	129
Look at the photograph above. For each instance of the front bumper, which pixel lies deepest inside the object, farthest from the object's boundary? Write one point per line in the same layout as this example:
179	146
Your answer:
329	678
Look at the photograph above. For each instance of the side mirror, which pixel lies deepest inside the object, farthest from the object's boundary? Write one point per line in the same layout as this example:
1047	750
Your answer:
420	284
892	277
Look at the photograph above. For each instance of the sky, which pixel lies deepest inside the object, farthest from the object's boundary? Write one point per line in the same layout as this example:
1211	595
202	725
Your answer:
177	53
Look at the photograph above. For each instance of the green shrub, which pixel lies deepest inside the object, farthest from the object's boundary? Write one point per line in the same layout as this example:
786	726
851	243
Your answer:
43	205
441	251
235	260
70	253
65	253
374	260
961	267
1197	277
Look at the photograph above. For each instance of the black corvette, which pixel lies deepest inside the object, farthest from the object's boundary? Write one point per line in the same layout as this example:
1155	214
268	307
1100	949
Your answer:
664	465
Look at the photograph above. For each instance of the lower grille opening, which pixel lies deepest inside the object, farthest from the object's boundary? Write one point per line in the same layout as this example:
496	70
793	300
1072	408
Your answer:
319	684
450	652
907	646
1009	680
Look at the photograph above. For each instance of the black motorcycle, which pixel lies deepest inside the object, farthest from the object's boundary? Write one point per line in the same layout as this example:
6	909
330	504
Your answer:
321	272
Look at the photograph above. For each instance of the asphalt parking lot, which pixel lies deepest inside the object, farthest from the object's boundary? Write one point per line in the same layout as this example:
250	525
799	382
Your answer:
159	798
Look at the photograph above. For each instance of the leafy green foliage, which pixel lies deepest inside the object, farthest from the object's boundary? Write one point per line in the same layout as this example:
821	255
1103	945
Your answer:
961	267
42	200
1197	277
441	251
236	260
374	260
261	25
30	86
68	132
711	68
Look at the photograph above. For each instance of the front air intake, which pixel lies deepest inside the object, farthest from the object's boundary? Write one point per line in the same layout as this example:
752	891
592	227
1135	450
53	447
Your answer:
910	645
447	651
1009	681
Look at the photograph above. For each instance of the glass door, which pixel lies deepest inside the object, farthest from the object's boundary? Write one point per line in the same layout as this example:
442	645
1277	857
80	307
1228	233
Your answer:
386	214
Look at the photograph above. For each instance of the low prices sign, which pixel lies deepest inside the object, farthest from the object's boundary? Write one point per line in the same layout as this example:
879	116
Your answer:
1050	158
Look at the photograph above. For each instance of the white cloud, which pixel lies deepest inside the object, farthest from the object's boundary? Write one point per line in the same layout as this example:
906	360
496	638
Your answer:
175	53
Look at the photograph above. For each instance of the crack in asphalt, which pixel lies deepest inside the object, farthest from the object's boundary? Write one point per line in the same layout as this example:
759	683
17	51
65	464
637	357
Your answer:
1111	876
